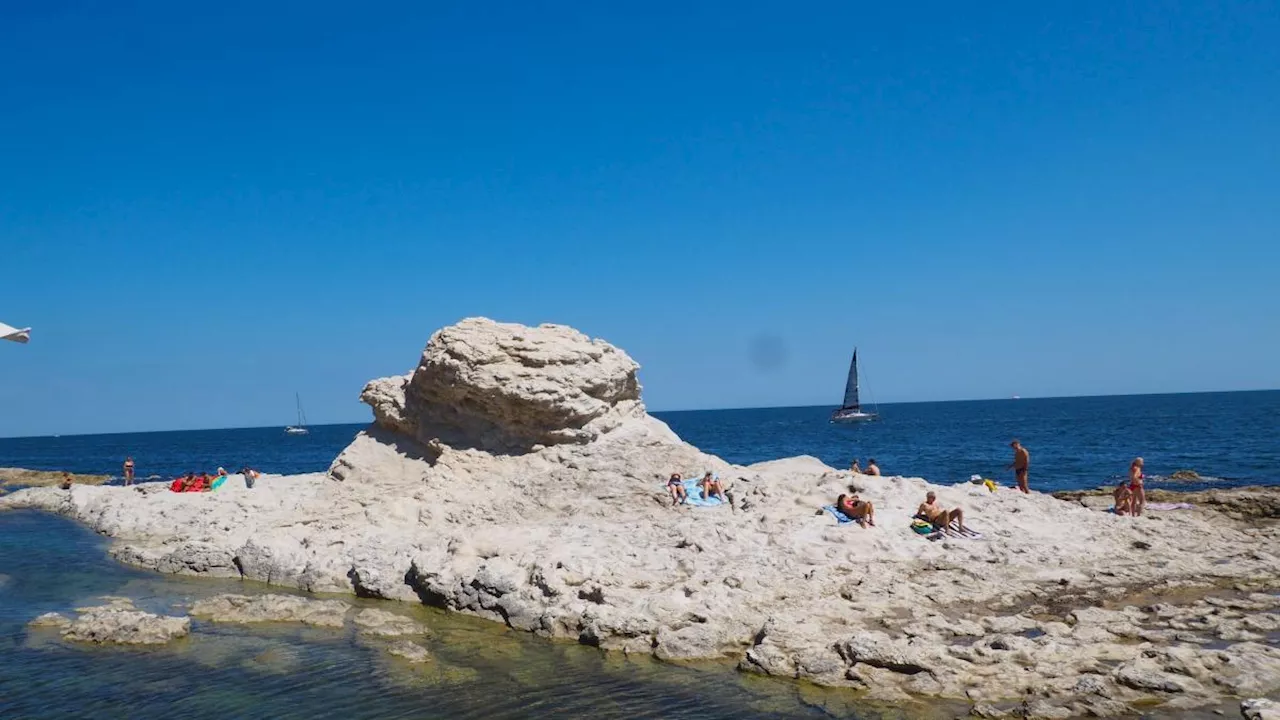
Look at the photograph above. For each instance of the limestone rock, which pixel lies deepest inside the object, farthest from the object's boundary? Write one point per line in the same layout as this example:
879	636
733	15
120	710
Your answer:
501	386
1260	709
381	623
51	619
410	651
120	623
271	608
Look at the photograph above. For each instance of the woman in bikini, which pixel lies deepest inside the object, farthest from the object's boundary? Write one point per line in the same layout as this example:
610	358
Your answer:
857	509
675	486
1137	493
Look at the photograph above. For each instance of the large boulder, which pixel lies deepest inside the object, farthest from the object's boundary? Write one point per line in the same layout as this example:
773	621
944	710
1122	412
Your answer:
506	387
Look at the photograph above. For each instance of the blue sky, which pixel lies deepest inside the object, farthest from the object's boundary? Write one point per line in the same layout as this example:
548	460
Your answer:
206	209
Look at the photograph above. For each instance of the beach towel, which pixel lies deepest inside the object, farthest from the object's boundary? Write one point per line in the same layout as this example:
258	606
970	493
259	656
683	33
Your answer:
693	493
1169	506
218	482
840	517
954	533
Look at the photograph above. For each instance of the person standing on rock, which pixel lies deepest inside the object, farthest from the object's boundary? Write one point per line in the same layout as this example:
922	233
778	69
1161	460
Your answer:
128	471
1137	493
1021	465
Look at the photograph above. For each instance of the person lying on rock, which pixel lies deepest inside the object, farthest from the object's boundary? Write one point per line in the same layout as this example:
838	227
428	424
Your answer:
675	486
857	509
711	487
936	515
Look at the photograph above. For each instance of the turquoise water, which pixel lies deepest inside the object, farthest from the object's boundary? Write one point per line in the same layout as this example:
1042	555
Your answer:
481	670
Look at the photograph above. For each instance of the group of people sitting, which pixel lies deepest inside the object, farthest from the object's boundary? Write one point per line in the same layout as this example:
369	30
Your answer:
204	482
863	512
710	486
871	469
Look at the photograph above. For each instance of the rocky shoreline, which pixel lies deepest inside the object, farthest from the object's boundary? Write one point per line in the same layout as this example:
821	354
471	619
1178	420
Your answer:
515	475
20	477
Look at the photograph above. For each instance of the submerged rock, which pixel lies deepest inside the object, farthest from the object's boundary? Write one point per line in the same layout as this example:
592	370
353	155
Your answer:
121	623
381	623
271	608
410	651
51	619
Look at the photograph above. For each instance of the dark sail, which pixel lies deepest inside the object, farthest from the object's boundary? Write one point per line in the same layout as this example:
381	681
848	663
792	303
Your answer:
851	385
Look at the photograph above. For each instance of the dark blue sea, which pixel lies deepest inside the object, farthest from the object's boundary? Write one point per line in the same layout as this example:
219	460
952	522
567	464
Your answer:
483	670
1231	438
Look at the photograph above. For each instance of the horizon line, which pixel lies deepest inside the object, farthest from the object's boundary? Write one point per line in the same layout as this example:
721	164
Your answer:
684	410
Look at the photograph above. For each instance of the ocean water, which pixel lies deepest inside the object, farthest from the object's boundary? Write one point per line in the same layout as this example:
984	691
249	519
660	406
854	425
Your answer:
1233	438
483	670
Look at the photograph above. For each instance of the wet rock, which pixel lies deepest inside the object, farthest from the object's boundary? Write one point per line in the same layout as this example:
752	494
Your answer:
50	620
271	608
1260	709
119	623
381	623
409	651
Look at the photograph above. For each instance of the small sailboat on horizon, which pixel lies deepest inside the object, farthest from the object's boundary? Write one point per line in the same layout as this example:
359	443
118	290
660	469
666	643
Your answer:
851	411
301	427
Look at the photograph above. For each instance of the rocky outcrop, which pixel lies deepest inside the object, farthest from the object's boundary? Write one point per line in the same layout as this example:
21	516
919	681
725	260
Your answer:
45	478
515	476
507	388
117	622
271	608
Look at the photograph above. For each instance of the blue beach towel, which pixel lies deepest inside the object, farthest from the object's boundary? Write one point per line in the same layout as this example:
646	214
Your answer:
693	493
841	518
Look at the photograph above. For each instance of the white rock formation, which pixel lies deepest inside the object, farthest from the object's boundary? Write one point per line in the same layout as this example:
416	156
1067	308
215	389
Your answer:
271	608
514	475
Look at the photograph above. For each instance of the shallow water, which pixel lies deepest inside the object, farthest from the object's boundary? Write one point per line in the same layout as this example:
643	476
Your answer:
481	669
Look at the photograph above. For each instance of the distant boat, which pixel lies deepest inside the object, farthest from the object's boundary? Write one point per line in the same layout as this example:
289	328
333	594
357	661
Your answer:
851	411
301	427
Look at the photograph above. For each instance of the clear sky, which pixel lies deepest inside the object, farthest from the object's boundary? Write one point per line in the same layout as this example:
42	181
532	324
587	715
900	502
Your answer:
207	207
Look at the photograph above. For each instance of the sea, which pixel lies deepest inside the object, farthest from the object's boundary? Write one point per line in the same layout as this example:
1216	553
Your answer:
482	670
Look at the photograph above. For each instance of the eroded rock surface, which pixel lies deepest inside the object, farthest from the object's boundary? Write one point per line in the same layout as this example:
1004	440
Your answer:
381	623
117	622
271	608
515	476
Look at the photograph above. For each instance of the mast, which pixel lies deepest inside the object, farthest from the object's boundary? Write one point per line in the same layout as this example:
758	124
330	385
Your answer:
302	419
851	385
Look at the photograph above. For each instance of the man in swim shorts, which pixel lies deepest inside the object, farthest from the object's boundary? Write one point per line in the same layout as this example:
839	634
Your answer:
872	468
940	518
1021	465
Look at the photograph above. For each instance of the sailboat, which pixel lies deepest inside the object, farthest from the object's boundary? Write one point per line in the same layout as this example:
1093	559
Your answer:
301	427
851	411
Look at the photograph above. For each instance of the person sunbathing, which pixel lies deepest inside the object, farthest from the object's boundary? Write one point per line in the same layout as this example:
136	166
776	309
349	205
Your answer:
872	468
1123	497
938	516
857	509
711	486
675	486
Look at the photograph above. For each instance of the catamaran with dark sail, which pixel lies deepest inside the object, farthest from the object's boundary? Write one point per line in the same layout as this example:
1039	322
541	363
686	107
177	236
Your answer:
851	411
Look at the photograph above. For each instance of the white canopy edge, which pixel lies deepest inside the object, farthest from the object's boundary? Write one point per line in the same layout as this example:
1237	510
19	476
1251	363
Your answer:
12	333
